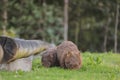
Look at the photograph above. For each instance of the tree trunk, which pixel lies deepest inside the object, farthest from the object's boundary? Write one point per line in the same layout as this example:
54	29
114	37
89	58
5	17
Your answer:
5	2
66	19
77	33
23	64
116	27
106	35
19	48
1	53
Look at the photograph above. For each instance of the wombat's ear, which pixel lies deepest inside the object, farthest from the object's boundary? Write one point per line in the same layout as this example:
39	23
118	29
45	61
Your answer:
69	54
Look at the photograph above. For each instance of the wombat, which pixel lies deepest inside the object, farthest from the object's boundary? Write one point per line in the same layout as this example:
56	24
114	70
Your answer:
68	55
49	58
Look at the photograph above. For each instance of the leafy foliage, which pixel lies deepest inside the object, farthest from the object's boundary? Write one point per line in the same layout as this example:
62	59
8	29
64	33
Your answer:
87	22
33	21
43	19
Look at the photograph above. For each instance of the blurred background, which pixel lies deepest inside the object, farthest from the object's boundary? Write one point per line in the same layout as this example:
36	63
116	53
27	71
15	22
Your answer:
91	24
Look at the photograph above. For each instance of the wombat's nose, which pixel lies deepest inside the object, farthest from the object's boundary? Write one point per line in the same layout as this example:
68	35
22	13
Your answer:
47	64
74	66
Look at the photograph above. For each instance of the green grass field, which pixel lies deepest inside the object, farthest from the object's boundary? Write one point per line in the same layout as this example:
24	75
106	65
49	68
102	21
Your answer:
95	67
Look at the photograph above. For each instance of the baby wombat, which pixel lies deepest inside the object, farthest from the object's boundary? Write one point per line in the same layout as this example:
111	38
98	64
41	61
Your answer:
68	55
49	58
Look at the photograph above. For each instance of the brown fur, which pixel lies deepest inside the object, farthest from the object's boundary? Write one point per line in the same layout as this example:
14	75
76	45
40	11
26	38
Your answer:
49	58
68	55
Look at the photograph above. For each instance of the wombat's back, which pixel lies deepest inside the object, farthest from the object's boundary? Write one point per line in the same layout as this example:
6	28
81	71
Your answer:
68	52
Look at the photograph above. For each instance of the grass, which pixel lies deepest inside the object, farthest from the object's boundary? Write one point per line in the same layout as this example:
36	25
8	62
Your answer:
95	67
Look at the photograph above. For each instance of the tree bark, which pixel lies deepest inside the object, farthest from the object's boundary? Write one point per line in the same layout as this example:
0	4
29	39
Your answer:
23	64
5	2
66	19
18	48
106	34
1	53
77	33
116	27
